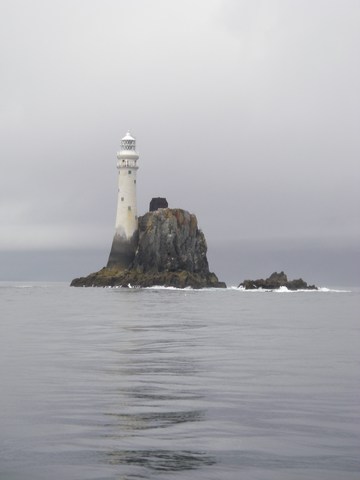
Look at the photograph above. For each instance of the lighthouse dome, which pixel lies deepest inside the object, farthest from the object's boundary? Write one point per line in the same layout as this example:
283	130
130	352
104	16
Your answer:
127	148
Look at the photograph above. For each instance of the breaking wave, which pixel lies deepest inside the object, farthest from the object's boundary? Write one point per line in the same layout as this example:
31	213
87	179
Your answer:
241	289
286	290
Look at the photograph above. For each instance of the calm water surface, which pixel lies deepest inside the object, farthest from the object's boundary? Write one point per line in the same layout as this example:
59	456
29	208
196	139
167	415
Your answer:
168	384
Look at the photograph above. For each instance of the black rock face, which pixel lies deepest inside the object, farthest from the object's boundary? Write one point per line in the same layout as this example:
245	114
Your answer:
157	203
170	240
275	281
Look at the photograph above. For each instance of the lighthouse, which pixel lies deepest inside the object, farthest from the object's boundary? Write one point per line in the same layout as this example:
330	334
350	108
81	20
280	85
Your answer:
126	224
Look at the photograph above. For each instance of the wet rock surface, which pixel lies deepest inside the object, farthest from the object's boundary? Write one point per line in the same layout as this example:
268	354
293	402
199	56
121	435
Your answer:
171	252
275	281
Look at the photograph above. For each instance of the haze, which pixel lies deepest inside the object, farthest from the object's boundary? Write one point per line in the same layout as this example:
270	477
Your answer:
246	113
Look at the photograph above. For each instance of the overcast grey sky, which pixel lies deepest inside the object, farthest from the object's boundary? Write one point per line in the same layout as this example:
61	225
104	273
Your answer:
246	112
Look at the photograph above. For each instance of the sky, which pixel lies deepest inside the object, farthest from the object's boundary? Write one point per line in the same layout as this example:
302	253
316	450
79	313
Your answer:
246	113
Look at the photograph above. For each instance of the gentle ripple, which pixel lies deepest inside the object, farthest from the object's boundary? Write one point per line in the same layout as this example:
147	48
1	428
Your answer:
147	384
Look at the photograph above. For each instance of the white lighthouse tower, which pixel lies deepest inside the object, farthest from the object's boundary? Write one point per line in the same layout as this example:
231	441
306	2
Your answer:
126	225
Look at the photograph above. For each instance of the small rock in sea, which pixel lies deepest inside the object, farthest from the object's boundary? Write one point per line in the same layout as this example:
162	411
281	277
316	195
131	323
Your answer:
275	281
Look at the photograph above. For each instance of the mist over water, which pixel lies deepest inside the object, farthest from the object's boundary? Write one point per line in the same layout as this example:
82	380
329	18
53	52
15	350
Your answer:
158	383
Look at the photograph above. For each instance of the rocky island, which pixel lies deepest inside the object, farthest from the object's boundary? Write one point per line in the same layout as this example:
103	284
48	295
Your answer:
164	247
171	251
275	281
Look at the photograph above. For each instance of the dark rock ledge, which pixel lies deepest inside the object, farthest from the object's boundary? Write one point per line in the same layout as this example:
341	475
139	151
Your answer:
275	281
110	277
171	252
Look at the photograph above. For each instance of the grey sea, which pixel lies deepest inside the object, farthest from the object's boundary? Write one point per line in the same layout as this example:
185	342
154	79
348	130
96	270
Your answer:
178	384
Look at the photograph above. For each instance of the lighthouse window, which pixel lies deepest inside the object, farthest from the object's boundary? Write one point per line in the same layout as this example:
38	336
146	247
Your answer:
129	208
134	181
122	199
129	172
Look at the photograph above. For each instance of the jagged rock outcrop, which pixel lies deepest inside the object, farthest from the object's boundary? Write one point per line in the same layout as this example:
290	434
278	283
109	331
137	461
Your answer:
275	281
171	251
169	240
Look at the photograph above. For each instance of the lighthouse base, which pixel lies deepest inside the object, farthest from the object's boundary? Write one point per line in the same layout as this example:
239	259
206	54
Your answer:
122	251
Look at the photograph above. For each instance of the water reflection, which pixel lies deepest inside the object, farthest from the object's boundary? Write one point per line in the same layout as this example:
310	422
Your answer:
157	400
161	460
145	421
148	393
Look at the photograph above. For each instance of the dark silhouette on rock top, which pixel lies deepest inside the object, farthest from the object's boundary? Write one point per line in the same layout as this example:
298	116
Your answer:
171	251
275	281
158	202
